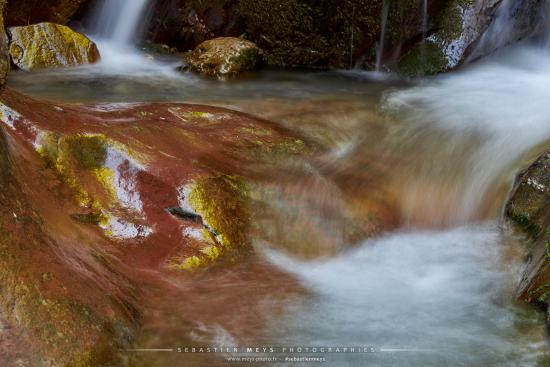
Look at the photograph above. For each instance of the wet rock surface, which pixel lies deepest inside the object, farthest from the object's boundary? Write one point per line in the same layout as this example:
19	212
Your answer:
334	34
527	209
90	208
340	34
224	57
53	295
49	45
152	203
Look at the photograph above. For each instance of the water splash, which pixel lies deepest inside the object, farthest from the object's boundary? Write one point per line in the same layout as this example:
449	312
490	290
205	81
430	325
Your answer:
437	293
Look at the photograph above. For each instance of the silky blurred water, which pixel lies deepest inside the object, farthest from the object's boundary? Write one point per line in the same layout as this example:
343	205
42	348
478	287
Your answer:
440	154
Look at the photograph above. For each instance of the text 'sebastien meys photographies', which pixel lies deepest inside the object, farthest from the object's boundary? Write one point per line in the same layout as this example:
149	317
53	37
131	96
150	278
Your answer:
274	183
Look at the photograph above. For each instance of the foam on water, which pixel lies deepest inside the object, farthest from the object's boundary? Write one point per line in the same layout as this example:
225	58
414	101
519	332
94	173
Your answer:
443	294
502	104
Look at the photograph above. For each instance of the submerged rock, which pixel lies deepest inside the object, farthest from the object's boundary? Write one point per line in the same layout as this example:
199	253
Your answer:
49	45
59	313
223	204
188	195
103	196
528	210
224	57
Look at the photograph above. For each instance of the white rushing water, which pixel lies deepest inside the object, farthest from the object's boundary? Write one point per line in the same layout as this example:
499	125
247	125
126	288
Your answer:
119	21
442	298
501	105
445	297
451	141
116	26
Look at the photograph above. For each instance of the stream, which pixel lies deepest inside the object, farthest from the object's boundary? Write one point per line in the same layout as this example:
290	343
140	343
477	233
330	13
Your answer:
437	287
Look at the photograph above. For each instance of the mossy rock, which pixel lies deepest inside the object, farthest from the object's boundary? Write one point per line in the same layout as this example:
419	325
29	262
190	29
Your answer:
80	161
529	203
62	315
224	57
90	151
49	45
311	33
223	203
528	211
424	59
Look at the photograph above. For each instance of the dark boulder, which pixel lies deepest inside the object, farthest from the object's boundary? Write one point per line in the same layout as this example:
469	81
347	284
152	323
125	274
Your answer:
528	211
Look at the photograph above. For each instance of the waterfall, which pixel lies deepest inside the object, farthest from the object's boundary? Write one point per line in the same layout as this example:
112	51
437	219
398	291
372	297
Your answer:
424	30
383	23
118	21
514	20
424	20
116	26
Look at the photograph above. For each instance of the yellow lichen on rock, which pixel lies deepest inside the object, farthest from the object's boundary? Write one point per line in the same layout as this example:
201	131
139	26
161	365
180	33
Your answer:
71	154
49	45
90	165
223	203
223	57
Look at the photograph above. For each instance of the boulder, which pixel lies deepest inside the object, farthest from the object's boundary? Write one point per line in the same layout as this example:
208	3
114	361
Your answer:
290	32
49	45
224	57
56	315
88	211
344	34
527	210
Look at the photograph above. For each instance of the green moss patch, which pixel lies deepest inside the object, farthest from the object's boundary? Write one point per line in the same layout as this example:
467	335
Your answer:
423	59
524	222
90	151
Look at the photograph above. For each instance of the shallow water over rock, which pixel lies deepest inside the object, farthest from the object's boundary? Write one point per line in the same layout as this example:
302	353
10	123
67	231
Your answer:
379	229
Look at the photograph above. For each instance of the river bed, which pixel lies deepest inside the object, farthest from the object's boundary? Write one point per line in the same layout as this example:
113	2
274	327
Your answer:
439	155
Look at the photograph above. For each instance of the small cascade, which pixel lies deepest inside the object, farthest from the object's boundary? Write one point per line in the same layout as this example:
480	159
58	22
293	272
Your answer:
383	24
116	26
424	28
513	23
424	20
500	31
118	21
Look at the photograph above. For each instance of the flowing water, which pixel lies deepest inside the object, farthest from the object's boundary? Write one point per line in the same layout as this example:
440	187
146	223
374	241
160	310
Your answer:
434	288
118	21
383	24
424	27
116	26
